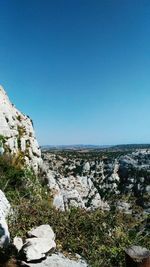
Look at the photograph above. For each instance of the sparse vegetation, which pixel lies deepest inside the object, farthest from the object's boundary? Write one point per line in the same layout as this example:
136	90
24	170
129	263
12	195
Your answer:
2	138
21	131
99	236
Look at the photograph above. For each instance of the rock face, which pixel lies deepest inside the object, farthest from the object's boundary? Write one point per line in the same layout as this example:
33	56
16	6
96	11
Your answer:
79	184
88	183
4	210
74	191
59	260
17	135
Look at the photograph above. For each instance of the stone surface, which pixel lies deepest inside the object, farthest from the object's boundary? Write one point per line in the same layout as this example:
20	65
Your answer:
59	260
4	233
18	243
4	205
138	252
36	248
42	231
4	210
17	129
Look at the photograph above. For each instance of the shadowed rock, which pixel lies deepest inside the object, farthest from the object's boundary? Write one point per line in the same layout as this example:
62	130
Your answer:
137	256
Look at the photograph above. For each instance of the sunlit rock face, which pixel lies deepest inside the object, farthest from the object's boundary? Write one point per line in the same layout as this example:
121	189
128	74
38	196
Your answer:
80	184
93	183
17	135
4	210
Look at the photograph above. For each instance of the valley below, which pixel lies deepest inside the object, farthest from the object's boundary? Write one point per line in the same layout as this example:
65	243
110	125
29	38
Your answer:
96	178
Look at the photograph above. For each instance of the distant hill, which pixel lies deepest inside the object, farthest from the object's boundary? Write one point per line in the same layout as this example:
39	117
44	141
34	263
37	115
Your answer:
101	147
73	147
131	146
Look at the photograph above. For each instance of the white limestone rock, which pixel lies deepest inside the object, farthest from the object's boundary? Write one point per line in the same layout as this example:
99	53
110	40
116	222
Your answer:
4	205
18	131
18	243
59	260
42	231
36	248
73	191
86	167
58	201
40	242
4	211
89	184
4	233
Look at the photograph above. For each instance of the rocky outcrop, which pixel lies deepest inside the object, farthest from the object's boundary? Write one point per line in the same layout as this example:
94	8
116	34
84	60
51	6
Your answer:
76	191
17	135
92	183
41	241
4	210
59	260
80	184
34	251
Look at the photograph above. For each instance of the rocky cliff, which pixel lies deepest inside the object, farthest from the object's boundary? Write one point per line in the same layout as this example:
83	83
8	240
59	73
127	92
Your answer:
91	183
17	136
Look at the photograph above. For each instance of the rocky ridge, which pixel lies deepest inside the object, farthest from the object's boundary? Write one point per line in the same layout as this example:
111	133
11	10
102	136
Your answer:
17	136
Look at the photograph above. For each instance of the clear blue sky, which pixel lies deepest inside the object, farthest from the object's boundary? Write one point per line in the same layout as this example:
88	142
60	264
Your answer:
79	68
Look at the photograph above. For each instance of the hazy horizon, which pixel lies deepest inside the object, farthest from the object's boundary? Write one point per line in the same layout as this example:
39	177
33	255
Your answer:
100	145
79	69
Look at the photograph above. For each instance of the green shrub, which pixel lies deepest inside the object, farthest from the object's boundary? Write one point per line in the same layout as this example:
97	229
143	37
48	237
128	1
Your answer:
15	180
100	237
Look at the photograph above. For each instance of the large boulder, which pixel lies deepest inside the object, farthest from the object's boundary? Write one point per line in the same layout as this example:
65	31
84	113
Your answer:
41	241
42	231
17	134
